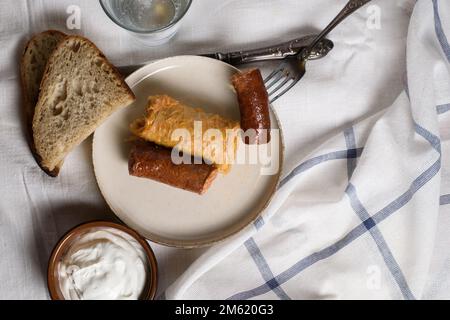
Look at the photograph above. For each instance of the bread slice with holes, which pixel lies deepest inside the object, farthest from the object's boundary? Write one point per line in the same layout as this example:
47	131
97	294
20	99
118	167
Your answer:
79	90
32	67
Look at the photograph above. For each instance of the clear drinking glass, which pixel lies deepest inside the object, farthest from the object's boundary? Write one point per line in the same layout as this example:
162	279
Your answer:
151	21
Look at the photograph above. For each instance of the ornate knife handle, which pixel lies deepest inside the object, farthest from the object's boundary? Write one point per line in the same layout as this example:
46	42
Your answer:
353	5
278	52
349	8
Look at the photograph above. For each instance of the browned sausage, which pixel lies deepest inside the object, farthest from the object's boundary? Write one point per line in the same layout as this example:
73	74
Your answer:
254	105
148	160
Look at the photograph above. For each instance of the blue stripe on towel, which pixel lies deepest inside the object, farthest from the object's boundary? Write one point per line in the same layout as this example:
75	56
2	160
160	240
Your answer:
430	137
444	200
311	163
376	234
401	201
347	239
304	263
443	108
440	30
259	223
358	231
264	268
350	141
337	155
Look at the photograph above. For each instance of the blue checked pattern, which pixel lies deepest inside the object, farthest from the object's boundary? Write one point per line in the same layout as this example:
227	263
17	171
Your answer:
368	223
309	164
264	268
388	257
362	213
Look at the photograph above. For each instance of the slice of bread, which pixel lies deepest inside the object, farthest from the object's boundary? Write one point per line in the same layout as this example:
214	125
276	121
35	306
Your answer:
32	67
79	90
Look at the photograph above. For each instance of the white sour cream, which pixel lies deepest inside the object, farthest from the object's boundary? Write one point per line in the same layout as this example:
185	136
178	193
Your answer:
103	264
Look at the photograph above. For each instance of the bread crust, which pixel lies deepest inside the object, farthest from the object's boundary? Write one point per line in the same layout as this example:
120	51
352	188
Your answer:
29	106
55	171
102	55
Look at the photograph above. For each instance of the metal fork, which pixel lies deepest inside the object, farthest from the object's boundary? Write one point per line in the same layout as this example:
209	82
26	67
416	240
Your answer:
288	73
284	77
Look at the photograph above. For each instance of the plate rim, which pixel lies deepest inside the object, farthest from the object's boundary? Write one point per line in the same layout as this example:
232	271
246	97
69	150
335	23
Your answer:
209	241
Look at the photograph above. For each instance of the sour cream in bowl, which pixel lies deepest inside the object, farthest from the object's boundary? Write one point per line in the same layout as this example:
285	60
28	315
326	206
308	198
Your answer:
102	261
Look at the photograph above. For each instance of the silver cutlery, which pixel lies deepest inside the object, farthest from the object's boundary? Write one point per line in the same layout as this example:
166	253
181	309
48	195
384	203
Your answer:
277	52
287	74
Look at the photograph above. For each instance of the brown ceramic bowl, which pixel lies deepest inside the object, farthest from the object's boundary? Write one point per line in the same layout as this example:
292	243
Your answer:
67	240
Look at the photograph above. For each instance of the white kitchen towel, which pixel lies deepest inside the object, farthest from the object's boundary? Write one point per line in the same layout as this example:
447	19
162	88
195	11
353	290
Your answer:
363	216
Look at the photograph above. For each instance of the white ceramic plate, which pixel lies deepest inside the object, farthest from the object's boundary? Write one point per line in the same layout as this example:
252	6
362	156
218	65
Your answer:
164	214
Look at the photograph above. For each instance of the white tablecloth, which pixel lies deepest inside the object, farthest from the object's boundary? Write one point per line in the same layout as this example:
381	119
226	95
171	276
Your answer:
362	81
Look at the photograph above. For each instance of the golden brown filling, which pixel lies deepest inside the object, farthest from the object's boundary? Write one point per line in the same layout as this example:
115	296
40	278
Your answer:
171	124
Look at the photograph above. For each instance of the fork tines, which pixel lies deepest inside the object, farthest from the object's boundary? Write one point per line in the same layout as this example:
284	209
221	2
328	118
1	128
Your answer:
281	80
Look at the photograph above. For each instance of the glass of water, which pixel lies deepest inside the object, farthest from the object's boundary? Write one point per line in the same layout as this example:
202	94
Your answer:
153	21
